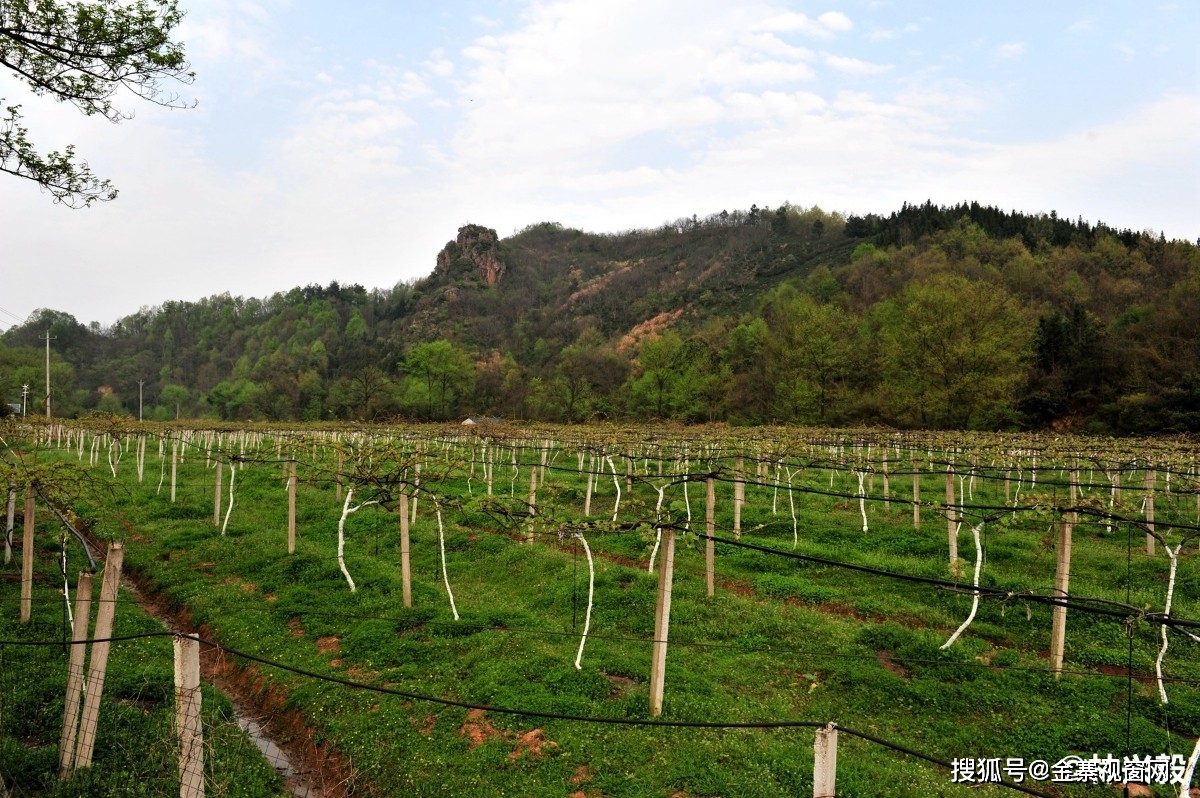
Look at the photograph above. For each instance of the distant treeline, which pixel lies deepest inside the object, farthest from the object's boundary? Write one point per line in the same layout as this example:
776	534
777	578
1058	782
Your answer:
949	317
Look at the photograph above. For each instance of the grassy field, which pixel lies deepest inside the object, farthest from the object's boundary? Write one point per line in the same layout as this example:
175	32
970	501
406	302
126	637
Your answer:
134	755
782	640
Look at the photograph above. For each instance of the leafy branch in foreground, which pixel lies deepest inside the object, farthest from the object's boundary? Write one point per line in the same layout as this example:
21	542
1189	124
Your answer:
83	53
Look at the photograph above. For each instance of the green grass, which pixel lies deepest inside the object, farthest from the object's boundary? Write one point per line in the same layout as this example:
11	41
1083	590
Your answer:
134	755
781	639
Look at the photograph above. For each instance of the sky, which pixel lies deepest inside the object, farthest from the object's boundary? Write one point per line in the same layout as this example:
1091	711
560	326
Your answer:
350	141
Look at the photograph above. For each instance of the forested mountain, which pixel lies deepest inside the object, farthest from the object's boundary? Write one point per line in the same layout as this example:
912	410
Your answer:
959	317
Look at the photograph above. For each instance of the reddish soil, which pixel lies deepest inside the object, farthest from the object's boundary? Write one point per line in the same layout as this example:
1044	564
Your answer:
360	674
327	774
582	773
531	742
478	730
1121	670
430	722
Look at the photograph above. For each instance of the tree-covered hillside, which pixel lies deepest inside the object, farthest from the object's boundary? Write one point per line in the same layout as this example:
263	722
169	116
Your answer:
959	317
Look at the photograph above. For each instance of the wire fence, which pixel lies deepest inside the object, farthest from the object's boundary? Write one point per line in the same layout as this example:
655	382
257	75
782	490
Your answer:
864	469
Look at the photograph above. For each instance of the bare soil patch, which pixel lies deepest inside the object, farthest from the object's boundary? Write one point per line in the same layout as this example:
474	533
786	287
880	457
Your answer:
884	658
478	730
621	685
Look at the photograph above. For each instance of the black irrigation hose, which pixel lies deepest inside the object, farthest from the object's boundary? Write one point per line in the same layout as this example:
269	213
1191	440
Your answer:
533	713
529	713
66	523
685	643
988	592
59	643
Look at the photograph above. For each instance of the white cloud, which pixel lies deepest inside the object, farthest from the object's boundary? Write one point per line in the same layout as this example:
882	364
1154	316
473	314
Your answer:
1011	50
404	86
438	64
233	35
603	116
1147	152
774	106
1081	26
577	78
835	21
347	132
824	26
854	66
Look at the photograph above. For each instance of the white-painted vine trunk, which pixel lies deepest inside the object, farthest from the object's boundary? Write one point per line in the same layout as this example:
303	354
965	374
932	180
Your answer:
229	509
617	482
792	507
975	532
862	498
775	492
341	548
10	517
1173	554
591	480
658	534
739	496
1190	772
916	499
442	547
951	526
416	484
1151	480
587	617
162	471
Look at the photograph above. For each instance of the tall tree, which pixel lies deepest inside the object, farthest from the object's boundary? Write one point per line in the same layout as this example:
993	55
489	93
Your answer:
587	373
1073	369
952	353
364	393
660	366
811	350
173	398
82	53
439	374
750	390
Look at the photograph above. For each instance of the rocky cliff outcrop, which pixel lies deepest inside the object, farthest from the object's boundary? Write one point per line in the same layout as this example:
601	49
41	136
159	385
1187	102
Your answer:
477	248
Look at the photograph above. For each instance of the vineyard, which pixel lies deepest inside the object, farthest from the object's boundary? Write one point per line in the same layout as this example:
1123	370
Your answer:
589	611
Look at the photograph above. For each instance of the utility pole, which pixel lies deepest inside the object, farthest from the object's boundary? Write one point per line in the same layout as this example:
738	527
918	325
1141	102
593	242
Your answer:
24	398
140	384
48	340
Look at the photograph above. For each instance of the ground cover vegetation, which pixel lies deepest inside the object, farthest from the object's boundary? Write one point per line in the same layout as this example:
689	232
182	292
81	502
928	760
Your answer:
817	612
960	317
